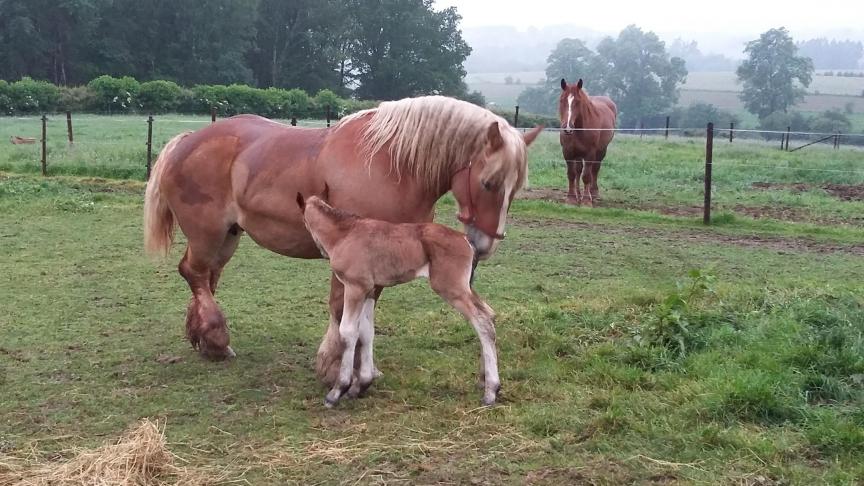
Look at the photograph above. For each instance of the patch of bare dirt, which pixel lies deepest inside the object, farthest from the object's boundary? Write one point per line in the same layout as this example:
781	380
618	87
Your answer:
782	213
844	192
797	245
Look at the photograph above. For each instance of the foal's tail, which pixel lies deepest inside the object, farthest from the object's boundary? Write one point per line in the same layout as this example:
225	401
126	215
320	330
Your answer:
158	217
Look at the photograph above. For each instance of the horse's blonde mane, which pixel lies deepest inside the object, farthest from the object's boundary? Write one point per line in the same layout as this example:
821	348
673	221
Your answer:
431	137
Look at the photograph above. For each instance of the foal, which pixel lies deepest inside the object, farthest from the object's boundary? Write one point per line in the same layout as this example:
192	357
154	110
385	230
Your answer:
367	253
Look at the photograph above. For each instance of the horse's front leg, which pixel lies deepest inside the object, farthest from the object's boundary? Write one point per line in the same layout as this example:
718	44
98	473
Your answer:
574	170
349	333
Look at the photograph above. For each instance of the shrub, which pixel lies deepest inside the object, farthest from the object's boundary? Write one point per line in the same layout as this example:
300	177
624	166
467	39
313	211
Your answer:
353	106
207	96
830	121
528	120
5	98
288	103
325	98
29	96
77	99
697	116
246	99
159	96
115	94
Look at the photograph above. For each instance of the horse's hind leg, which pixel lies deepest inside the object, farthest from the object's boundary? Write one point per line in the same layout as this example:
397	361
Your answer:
588	181
206	327
448	281
349	332
595	175
224	256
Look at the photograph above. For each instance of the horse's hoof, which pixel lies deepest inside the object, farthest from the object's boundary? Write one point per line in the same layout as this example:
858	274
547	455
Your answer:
572	200
328	404
376	373
217	354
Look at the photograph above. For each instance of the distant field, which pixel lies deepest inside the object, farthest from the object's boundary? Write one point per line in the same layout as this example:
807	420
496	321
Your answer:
728	100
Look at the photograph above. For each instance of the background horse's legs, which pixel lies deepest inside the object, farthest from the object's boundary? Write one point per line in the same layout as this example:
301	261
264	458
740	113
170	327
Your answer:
595	189
349	332
588	181
206	328
574	169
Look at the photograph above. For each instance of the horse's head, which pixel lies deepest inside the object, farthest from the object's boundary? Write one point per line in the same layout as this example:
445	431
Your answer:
485	188
570	104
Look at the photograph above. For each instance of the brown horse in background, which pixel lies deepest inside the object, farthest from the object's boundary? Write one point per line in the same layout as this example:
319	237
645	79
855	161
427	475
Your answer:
368	254
579	113
393	163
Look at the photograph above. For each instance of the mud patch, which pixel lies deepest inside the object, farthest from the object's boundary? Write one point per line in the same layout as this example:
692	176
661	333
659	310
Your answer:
782	213
677	237
844	192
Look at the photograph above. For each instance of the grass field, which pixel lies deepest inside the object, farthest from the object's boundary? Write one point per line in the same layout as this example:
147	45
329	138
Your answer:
619	362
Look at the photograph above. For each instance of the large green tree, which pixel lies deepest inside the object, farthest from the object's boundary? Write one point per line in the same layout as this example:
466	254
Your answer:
637	73
405	47
774	76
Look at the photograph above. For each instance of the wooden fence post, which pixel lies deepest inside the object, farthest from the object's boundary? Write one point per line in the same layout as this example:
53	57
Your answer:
212	114
667	128
293	121
709	156
731	131
516	118
328	116
149	145
69	127
44	145
788	136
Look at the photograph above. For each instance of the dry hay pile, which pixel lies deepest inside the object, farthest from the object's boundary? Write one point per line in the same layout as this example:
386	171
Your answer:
138	458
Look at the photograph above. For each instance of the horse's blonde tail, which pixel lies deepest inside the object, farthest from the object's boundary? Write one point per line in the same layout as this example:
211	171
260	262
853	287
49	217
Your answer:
158	217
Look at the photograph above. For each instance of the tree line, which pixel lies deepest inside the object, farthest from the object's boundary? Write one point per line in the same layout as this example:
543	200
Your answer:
371	49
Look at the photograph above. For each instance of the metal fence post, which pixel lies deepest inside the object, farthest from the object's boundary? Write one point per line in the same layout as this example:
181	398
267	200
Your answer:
731	130
212	114
44	145
641	129
293	121
69	127
782	140
667	128
709	156
328	116
788	136
837	141
149	144
516	117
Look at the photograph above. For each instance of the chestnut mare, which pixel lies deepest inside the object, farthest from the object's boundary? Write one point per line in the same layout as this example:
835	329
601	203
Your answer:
368	254
390	163
579	111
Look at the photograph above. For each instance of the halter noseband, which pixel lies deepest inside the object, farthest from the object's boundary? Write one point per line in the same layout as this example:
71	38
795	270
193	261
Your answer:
471	219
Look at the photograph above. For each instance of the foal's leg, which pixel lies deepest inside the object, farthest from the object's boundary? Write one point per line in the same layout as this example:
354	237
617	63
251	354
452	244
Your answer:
574	169
349	332
366	370
452	284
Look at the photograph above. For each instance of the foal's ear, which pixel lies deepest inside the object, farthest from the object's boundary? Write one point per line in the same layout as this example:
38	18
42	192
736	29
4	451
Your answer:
529	137
301	202
579	84
493	136
563	85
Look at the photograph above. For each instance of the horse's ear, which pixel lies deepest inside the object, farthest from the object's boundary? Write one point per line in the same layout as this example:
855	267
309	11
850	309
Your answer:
579	84
493	136
529	137
563	85
301	202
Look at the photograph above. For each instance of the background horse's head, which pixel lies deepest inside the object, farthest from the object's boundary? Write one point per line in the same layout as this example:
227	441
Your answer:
570	104
486	187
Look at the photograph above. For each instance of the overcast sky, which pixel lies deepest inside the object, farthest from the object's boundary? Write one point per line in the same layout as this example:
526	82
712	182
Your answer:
735	17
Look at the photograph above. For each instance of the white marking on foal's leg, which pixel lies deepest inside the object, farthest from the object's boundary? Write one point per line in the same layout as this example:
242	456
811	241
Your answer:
366	337
423	272
349	332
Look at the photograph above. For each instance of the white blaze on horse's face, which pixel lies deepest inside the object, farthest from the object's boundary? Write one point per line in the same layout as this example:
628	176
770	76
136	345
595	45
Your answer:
569	123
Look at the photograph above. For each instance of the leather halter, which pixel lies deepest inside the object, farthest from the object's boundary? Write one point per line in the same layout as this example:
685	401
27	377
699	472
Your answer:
471	219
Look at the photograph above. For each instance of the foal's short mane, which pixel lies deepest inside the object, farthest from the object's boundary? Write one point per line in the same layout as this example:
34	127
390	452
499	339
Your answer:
336	214
431	137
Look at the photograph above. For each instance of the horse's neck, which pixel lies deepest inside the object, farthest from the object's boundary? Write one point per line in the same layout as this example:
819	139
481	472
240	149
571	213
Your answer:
586	111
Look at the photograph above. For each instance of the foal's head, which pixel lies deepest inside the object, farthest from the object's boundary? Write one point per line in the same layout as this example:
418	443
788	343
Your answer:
324	222
485	188
570	104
